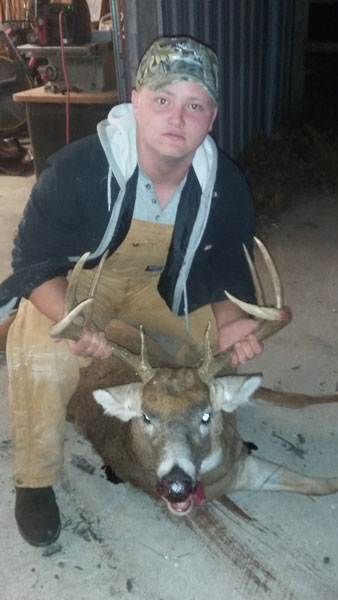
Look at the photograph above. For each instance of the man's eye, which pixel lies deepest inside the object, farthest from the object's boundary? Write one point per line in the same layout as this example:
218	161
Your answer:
162	101
195	106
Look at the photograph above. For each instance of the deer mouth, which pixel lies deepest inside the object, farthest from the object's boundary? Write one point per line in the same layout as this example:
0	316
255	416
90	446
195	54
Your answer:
183	508
180	509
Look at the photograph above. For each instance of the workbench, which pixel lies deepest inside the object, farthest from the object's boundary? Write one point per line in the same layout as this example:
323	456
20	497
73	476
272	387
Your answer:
46	118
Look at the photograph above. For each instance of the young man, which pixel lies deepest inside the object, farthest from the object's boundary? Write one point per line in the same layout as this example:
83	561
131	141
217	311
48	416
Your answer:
174	212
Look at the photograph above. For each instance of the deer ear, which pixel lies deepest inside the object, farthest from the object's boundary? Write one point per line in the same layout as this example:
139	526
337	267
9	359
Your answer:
122	401
232	391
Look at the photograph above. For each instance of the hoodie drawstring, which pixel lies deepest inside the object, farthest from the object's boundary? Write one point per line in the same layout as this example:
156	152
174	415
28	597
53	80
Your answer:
110	174
186	311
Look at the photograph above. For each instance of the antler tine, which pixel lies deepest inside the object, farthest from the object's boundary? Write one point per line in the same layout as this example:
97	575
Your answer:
96	278
270	320
139	362
255	278
70	299
208	357
272	269
66	328
144	369
263	312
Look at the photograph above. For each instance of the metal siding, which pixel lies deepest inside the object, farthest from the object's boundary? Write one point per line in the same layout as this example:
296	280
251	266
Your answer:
253	40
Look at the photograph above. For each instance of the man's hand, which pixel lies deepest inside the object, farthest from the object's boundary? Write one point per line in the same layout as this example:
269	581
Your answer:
49	299
237	330
239	334
92	343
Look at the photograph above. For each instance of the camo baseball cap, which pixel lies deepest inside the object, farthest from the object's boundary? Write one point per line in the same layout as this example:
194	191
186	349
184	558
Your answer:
173	59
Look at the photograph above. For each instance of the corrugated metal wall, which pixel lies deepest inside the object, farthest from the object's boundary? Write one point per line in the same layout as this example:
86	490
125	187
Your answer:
253	40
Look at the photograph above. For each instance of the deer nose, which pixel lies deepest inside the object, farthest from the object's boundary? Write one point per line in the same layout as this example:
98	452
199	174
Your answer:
176	486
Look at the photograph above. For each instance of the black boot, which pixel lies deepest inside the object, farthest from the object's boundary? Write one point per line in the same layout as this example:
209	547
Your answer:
37	515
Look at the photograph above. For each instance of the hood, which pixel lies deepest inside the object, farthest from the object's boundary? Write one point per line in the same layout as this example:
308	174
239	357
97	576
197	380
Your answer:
117	135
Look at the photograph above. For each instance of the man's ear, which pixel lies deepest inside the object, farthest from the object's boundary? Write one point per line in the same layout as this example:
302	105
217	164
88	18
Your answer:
213	117
135	101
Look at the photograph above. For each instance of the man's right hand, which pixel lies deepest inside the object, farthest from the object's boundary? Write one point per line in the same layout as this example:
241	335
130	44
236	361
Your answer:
92	343
49	299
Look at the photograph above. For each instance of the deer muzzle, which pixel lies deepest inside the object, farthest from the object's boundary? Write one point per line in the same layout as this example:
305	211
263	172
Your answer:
179	491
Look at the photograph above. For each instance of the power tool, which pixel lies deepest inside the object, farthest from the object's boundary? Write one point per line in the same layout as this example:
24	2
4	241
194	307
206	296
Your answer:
76	24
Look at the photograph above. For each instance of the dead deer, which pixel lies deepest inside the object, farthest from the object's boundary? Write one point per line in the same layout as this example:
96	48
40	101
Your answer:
173	433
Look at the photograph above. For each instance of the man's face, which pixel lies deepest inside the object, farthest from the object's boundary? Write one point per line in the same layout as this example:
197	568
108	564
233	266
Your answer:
173	121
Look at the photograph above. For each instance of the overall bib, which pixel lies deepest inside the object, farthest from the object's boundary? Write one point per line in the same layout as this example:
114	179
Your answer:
44	374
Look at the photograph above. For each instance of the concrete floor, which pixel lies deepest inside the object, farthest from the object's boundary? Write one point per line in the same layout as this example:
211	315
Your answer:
118	543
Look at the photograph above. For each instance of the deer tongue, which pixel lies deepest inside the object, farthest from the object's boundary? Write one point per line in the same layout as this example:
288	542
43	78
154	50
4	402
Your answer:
183	508
199	495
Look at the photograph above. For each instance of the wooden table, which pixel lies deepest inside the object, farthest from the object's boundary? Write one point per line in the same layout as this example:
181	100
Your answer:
46	117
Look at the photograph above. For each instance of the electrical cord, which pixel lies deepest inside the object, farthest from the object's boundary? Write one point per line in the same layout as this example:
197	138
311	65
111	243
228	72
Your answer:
65	75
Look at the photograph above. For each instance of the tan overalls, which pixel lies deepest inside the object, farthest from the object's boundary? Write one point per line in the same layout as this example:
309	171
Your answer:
44	374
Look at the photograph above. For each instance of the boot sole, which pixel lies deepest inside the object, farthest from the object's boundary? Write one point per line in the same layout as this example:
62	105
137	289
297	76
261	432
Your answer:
40	544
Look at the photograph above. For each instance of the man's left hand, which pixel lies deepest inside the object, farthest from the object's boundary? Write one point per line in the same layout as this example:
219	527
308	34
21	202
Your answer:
240	335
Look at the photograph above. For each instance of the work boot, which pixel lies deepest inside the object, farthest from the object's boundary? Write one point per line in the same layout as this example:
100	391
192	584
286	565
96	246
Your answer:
37	515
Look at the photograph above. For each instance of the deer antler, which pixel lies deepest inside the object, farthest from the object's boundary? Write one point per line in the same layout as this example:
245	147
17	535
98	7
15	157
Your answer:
67	327
70	329
270	319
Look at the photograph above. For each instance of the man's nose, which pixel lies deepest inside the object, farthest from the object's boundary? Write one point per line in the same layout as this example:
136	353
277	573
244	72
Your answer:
177	115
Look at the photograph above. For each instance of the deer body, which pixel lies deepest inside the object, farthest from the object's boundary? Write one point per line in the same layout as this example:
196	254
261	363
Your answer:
173	434
175	437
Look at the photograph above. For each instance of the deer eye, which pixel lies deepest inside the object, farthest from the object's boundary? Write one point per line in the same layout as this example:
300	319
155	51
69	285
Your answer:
206	417
146	418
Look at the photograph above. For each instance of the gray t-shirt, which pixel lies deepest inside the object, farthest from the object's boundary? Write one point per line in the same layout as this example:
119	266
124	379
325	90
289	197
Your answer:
147	206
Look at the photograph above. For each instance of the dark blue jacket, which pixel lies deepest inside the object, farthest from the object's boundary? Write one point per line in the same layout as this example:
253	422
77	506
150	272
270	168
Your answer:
67	214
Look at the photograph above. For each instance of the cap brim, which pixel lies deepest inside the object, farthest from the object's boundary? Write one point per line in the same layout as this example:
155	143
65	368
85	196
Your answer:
160	82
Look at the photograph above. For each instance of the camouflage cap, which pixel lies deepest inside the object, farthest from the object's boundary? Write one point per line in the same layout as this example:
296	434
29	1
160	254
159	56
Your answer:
173	59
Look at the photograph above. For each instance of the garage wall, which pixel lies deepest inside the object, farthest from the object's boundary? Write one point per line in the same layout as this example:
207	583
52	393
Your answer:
261	47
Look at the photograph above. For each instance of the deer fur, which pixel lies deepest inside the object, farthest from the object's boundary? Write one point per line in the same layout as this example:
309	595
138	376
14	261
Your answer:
173	434
146	431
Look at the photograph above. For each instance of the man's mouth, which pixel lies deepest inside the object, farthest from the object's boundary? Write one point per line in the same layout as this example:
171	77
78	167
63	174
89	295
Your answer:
175	136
